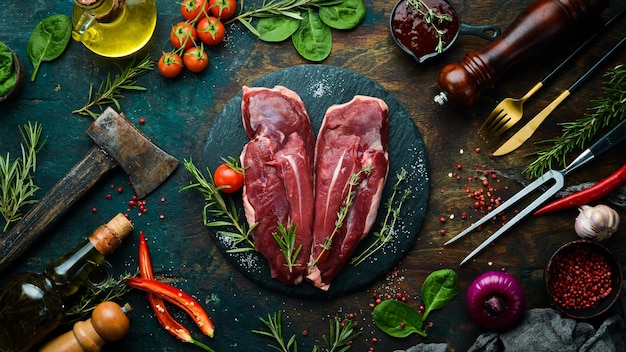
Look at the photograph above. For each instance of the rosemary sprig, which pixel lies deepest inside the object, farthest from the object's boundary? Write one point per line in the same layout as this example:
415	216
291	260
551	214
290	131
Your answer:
16	181
608	110
110	91
386	233
286	240
217	207
275	326
431	17
340	337
272	8
111	289
354	181
341	334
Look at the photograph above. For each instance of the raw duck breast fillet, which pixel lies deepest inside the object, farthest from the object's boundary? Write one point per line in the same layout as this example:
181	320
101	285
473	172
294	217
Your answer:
353	136
278	183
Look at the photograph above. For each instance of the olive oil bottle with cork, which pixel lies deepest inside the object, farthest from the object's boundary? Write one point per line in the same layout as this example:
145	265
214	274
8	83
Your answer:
32	305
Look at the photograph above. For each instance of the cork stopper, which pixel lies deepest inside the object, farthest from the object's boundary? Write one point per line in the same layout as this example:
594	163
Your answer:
109	236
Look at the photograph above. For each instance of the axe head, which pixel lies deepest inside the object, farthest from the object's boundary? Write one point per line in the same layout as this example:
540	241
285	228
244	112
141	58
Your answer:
146	164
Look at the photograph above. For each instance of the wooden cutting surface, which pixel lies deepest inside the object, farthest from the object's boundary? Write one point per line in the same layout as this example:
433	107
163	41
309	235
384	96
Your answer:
178	117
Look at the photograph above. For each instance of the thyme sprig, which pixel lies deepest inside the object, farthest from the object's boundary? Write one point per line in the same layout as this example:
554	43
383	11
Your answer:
110	91
341	334
16	177
354	181
217	207
432	18
272	8
608	110
286	240
386	233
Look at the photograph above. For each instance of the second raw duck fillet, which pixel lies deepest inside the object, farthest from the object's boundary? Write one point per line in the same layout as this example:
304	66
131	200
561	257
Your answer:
278	187
351	160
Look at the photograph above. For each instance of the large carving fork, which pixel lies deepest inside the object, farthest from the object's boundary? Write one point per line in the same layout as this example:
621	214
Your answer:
616	135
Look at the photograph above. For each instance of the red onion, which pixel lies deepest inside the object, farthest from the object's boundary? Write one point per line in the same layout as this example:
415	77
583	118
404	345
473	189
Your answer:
495	300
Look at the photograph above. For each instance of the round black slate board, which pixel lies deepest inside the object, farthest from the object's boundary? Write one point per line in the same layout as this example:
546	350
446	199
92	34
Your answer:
321	86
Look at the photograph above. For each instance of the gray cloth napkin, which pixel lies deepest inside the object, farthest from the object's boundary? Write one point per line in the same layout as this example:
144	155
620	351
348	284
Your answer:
545	329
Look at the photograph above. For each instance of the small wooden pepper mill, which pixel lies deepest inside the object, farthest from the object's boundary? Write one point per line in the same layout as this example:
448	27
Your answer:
108	323
542	22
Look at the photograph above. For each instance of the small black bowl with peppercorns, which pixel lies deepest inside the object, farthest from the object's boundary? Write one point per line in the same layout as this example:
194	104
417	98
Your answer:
583	279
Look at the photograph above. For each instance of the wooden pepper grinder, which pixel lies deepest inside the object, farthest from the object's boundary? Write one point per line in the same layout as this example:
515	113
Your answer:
108	323
542	22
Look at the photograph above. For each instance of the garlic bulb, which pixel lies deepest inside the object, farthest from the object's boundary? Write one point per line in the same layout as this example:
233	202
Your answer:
598	222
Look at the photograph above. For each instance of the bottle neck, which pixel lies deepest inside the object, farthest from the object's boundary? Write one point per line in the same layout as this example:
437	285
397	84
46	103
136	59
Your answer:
65	274
103	11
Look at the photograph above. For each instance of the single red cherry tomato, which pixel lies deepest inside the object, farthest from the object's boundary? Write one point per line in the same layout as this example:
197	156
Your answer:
193	9
230	179
195	59
170	64
211	30
223	8
183	34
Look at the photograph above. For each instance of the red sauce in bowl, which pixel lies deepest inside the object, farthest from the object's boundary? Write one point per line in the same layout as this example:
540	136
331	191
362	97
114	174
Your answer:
416	36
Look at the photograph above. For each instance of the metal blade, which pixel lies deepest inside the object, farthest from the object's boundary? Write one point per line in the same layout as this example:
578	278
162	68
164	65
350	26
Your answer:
519	195
529	129
559	182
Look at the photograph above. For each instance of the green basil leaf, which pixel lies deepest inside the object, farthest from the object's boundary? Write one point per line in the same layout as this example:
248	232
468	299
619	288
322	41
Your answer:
439	289
48	40
276	29
397	319
346	15
313	39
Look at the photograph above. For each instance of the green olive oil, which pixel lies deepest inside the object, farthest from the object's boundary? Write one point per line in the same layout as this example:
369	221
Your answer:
114	28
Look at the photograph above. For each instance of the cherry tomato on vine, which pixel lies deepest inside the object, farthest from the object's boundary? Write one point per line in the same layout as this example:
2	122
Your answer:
223	8
183	33
228	177
193	9
170	64
195	59
211	30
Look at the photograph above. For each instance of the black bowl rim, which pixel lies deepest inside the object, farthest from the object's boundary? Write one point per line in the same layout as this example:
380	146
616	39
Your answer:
606	304
19	79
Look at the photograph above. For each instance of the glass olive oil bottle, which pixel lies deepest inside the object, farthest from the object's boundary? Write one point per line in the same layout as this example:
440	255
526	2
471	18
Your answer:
114	28
32	305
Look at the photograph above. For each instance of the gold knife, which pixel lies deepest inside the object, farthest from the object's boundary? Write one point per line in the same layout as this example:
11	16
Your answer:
527	130
530	127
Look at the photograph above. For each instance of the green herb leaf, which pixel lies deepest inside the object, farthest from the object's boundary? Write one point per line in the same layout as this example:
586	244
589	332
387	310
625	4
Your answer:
346	15
439	289
398	319
276	29
48	40
313	39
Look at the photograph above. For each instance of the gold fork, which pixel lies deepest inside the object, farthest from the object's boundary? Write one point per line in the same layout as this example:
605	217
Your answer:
509	111
506	114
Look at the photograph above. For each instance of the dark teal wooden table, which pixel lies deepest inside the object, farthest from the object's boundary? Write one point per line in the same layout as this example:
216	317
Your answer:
178	116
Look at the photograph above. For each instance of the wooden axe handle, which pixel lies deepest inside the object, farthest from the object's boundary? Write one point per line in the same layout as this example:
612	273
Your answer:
54	204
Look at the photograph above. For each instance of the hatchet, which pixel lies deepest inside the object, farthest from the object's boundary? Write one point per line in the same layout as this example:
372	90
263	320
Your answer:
118	143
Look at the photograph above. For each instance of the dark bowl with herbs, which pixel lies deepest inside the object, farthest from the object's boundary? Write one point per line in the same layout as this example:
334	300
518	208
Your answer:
583	279
11	74
425	29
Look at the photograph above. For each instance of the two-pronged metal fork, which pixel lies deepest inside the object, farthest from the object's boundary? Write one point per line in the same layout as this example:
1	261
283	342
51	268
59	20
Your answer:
509	111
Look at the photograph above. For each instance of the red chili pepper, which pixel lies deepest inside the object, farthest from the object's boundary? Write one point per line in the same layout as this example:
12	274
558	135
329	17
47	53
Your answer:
162	314
178	297
595	192
169	293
